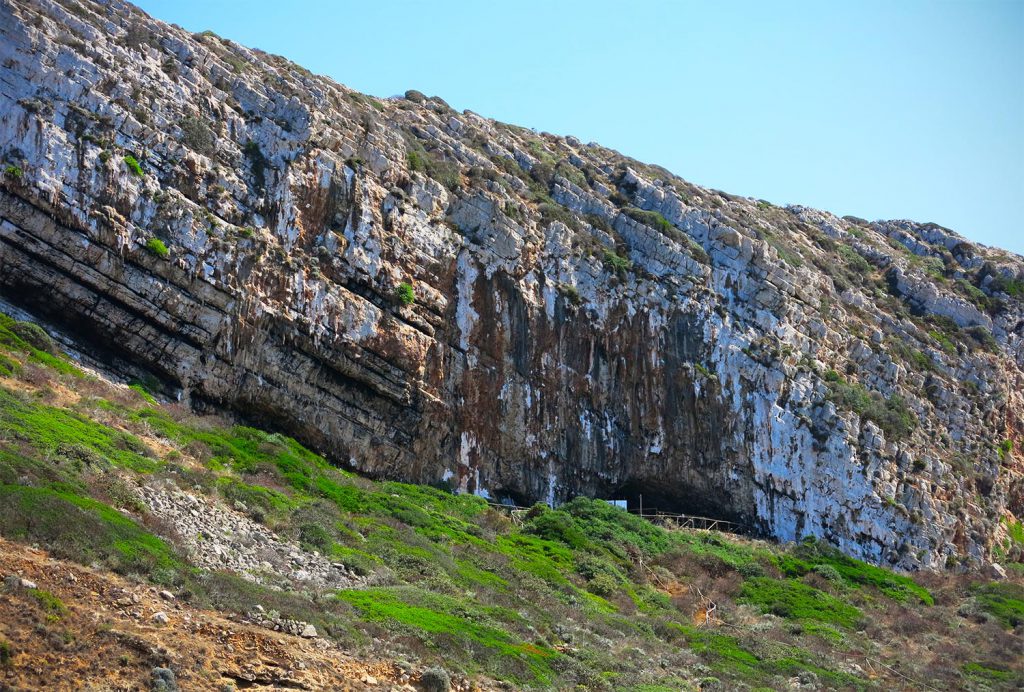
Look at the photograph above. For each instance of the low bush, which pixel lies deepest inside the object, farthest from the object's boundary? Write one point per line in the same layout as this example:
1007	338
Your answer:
197	135
49	603
797	601
22	336
405	294
65	436
649	218
480	632
1003	601
854	260
555	525
616	262
133	166
84	530
811	555
891	414
158	248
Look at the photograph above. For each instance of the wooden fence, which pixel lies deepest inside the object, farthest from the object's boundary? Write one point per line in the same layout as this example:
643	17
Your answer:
689	521
667	520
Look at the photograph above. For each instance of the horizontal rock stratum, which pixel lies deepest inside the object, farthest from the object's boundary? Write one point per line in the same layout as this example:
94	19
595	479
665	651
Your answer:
247	233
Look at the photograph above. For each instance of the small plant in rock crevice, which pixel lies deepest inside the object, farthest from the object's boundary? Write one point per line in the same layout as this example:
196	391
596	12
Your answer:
405	294
133	166
158	248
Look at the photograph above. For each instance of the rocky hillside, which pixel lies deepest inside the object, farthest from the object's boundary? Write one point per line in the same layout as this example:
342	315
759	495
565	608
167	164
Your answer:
433	296
173	551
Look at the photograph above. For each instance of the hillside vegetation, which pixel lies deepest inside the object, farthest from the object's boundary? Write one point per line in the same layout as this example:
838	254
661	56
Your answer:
585	595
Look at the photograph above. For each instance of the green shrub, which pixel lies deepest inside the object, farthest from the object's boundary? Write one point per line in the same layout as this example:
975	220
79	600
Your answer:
945	343
1005	448
315	537
813	555
571	293
6	653
603	585
133	166
197	135
435	680
797	601
83	530
158	248
720	647
418	611
787	253
698	252
555	525
988	672
828	573
1003	600
615	529
34	336
8	366
14	336
552	211
405	294
140	389
892	415
983	337
434	164
649	218
12	171
69	437
416	161
51	605
259	501
616	262
1012	287
854	260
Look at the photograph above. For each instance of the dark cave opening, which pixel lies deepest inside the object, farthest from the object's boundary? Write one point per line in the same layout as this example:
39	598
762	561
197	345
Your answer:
649	499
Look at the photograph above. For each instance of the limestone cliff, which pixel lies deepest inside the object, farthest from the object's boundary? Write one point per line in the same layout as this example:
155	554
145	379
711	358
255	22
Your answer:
237	228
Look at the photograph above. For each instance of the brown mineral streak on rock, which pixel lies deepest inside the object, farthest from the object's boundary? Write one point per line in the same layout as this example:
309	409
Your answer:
528	366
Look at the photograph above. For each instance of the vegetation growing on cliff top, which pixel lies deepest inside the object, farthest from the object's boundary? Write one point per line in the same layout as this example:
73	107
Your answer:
585	594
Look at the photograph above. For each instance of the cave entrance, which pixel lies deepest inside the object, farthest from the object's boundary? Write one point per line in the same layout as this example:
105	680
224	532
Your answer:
683	506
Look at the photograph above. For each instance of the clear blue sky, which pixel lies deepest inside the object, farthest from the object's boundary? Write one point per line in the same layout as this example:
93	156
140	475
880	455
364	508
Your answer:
881	109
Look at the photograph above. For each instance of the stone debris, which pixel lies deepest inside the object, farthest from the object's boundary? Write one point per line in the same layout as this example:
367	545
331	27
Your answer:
274	621
12	582
219	538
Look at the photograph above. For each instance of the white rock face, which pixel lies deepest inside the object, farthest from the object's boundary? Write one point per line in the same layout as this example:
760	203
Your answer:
582	322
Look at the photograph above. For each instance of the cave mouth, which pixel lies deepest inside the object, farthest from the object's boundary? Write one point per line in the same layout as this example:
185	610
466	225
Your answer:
649	499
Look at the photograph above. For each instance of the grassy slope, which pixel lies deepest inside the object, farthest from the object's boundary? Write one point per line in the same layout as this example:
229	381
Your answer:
583	595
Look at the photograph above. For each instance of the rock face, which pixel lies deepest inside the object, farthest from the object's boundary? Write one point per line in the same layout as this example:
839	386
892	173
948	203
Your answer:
580	323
